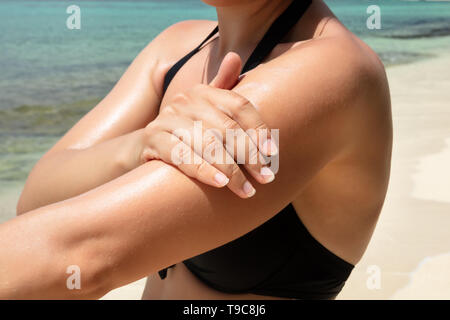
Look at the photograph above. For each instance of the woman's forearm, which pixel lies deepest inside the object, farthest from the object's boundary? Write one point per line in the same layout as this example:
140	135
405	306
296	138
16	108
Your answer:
137	224
65	174
37	263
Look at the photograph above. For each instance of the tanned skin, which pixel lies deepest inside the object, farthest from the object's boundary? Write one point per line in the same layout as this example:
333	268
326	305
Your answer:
91	201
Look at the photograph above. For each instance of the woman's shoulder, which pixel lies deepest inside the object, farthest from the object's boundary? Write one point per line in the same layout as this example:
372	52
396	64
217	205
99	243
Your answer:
173	43
180	38
338	68
337	80
353	68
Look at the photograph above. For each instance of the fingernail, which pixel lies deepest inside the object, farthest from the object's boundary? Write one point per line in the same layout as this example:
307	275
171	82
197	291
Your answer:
248	189
269	147
221	179
267	174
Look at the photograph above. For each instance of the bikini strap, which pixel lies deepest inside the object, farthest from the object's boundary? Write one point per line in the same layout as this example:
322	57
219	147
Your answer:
277	31
177	66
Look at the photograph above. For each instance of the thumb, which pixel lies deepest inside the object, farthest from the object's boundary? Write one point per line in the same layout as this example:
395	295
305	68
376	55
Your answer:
229	71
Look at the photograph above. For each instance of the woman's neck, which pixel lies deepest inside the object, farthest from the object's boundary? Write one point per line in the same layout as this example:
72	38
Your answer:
242	26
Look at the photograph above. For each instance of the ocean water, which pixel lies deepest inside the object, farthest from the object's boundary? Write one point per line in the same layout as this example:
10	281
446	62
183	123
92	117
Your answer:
50	76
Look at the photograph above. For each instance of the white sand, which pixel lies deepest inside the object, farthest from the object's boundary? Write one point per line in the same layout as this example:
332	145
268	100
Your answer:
133	291
430	280
432	184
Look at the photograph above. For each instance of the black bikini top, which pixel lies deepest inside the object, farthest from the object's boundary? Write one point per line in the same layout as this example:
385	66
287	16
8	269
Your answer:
280	258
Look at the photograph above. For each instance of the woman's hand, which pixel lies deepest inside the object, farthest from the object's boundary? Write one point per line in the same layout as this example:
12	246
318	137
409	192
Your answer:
190	131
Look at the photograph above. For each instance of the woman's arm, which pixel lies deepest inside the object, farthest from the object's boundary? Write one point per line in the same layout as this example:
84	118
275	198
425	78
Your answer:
155	216
67	173
112	158
100	147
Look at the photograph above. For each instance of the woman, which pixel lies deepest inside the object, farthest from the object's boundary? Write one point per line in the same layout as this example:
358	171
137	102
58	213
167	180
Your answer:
111	198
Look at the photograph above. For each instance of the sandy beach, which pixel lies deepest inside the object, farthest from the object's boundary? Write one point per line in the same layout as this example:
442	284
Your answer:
409	255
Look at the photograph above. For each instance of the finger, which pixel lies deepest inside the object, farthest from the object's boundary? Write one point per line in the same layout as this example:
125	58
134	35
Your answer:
172	150
229	71
216	154
210	149
238	144
242	111
227	77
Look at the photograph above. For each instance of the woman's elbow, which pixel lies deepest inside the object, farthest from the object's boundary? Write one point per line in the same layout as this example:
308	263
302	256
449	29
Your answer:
33	195
26	202
23	204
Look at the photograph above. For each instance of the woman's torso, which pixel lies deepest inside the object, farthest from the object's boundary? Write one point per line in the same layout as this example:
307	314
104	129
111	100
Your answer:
323	206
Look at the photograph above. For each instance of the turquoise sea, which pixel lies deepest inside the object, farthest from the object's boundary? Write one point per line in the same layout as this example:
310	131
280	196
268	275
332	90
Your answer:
50	76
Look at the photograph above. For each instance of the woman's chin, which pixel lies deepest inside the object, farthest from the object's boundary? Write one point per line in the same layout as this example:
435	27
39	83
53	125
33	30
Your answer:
226	3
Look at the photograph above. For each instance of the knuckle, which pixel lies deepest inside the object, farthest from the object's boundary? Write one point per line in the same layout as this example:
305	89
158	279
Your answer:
260	126
148	129
169	110
240	104
180	98
201	169
231	124
210	141
253	155
235	171
152	128
182	154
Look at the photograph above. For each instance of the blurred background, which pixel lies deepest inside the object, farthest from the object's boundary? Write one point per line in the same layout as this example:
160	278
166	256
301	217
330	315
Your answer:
50	76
